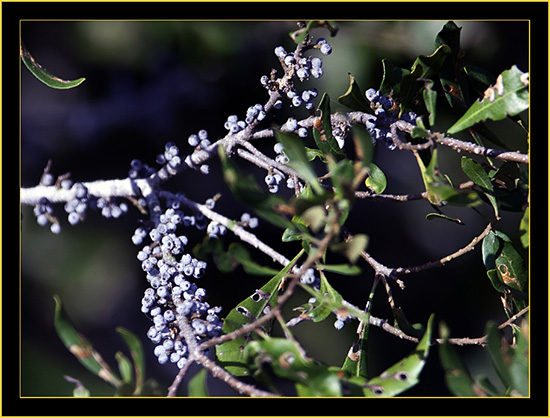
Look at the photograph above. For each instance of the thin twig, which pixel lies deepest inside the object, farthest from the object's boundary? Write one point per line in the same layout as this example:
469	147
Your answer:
442	261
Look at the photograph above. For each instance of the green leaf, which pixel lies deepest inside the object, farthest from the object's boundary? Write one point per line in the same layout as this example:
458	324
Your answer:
80	390
524	229
138	356
327	299
404	374
245	189
344	269
197	385
298	160
450	74
507	269
430	100
230	354
80	347
324	139
354	97
376	180
498	349
391	79
477	174
424	67
287	359
352	248
479	78
43	75
508	97
300	34
434	215
457	377
125	367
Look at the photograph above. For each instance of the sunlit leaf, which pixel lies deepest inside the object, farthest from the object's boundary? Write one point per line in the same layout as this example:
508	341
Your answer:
230	354
404	374
287	359
435	215
376	179
43	75
509	96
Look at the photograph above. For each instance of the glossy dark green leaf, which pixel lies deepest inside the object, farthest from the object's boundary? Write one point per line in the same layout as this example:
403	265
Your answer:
404	374
392	77
230	354
354	97
479	78
324	139
508	97
80	347
450	74
477	174
424	67
43	75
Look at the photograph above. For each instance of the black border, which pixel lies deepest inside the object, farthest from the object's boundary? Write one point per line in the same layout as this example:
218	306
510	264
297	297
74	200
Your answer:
537	12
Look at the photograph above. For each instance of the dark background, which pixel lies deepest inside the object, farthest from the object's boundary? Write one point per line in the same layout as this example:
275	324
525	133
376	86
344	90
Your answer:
153	82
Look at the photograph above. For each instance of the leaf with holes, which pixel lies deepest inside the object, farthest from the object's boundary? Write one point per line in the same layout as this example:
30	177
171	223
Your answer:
230	354
288	360
404	374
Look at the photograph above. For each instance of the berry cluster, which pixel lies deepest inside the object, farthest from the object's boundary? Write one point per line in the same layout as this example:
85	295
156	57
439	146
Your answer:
300	67
379	128
200	141
171	272
76	207
253	114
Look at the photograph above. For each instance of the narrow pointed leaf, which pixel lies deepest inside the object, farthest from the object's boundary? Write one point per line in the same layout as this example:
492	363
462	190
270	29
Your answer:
80	347
508	97
230	354
43	75
477	174
137	353
404	374
354	97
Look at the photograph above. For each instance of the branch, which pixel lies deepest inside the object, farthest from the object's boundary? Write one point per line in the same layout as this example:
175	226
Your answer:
456	144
